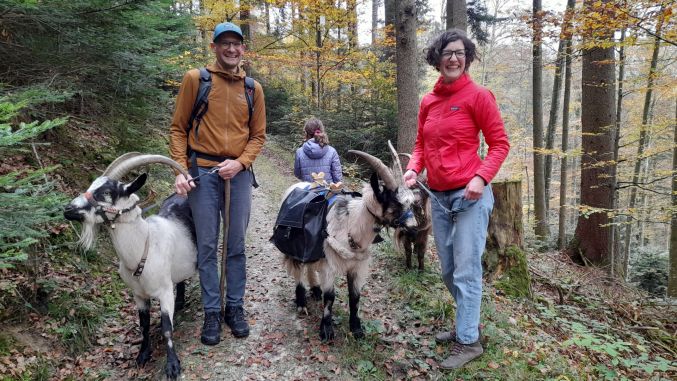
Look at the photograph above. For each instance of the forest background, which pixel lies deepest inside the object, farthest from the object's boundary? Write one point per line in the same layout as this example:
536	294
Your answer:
588	98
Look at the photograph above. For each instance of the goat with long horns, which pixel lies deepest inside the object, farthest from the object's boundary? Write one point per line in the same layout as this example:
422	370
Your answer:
352	225
155	253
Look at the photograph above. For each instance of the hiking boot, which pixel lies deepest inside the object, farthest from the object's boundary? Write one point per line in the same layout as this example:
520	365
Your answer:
446	337
211	329
461	354
450	337
235	319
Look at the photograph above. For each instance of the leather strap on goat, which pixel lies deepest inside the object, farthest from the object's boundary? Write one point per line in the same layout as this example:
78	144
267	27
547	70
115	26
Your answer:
142	263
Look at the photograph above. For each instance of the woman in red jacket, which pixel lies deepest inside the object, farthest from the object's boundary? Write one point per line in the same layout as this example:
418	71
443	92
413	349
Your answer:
450	119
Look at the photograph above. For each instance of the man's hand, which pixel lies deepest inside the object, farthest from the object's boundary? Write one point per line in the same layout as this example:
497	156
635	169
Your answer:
183	185
409	178
474	189
229	168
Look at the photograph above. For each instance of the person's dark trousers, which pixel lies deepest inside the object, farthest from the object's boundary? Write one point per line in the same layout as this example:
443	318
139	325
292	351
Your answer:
206	202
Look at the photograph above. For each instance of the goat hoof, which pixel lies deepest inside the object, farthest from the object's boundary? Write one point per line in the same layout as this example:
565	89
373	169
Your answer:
301	310
326	331
357	330
143	358
173	369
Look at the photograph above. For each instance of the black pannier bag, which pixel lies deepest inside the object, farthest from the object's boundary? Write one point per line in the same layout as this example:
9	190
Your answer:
300	228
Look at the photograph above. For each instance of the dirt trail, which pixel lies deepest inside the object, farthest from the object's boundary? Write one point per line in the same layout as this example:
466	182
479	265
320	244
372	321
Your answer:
282	344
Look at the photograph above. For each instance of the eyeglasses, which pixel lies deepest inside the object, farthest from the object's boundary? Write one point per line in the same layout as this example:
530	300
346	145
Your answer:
447	54
228	44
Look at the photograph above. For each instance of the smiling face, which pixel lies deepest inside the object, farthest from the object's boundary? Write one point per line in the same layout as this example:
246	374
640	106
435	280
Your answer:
228	49
451	65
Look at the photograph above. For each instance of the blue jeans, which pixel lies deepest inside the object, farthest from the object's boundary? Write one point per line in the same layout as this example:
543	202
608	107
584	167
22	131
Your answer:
206	203
460	242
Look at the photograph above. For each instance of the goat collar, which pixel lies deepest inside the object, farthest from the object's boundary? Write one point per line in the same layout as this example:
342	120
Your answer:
101	209
142	262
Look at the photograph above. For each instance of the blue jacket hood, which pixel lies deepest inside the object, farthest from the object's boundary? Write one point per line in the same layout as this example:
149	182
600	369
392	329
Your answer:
313	150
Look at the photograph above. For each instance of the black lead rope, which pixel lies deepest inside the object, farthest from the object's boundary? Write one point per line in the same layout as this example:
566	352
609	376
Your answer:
451	213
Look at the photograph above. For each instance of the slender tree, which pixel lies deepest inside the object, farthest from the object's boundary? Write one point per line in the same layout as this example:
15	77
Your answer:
407	84
374	19
552	120
615	230
537	113
457	15
564	169
643	136
672	278
598	103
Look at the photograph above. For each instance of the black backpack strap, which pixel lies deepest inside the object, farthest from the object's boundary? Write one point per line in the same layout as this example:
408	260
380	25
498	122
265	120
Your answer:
249	94
201	101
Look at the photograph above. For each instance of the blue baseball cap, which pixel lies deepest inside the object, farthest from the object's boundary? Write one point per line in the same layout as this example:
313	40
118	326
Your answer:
227	27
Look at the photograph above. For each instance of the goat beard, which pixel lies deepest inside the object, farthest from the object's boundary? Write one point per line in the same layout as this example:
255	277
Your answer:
88	235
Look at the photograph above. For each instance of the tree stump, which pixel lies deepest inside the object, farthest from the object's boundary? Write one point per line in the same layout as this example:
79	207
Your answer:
504	257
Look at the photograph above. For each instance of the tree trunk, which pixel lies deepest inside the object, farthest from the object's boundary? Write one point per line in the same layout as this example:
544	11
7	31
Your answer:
457	15
552	121
616	267
597	116
540	211
267	16
504	257
374	20
564	169
672	278
246	34
642	139
391	7
407	84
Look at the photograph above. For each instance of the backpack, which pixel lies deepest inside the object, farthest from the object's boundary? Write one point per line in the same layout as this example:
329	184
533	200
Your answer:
301	225
202	100
200	108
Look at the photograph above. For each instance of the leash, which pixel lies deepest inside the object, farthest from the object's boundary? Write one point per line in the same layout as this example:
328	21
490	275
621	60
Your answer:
226	226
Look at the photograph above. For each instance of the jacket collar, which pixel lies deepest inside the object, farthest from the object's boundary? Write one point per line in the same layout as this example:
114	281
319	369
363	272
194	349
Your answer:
442	88
214	68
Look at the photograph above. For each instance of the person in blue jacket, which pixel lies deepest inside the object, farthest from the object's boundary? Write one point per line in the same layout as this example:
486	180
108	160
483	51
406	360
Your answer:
316	155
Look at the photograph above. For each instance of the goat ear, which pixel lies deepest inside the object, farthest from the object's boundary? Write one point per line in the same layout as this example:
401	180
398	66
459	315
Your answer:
136	184
376	187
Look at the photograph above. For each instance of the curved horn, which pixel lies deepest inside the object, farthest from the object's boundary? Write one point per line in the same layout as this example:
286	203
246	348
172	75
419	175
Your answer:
123	167
423	176
396	159
119	160
381	169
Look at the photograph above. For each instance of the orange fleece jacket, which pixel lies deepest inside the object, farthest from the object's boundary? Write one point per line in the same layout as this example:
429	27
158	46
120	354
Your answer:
224	130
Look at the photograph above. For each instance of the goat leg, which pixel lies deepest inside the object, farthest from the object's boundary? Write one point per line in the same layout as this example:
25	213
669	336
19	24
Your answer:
315	289
354	302
301	298
326	325
419	248
407	250
180	301
143	307
173	368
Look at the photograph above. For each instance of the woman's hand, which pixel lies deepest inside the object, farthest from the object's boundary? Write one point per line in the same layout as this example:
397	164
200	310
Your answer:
474	189
409	178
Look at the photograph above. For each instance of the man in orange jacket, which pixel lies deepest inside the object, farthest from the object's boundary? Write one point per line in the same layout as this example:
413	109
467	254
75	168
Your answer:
227	141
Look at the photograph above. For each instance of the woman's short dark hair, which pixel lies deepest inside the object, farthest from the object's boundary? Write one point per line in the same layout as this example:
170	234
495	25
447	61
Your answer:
434	50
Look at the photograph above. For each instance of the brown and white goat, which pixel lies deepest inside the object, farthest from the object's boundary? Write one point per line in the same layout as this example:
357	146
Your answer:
166	241
352	224
409	242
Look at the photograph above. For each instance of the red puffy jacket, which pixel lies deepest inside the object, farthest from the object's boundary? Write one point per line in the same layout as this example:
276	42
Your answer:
449	121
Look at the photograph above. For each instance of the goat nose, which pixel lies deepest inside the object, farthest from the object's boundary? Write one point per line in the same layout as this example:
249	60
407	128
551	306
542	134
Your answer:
70	213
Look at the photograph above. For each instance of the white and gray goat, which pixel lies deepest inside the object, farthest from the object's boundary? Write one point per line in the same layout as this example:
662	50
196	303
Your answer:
154	253
407	241
352	224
